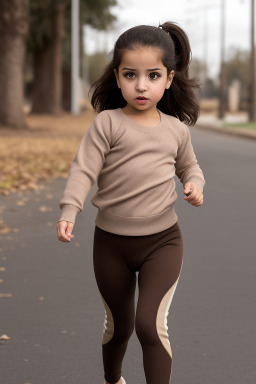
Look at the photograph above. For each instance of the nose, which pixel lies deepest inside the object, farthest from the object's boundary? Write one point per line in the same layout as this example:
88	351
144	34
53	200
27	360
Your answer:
141	84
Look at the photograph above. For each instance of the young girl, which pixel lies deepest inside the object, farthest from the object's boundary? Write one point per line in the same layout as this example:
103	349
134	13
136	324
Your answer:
134	147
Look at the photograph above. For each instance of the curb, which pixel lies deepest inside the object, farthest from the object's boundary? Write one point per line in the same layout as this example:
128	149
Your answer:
245	133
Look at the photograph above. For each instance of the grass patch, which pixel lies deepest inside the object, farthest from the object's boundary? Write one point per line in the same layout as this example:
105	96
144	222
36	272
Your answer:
251	126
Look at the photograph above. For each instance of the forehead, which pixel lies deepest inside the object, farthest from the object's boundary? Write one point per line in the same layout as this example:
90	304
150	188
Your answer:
142	57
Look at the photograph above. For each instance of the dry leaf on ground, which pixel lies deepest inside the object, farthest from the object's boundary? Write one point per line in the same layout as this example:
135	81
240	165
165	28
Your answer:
45	150
4	295
43	209
4	229
5	337
21	203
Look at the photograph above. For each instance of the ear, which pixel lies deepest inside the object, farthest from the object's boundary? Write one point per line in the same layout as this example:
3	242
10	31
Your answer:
117	78
170	79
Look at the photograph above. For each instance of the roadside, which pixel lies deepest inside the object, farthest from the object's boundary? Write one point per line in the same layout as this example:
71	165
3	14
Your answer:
233	124
45	150
41	152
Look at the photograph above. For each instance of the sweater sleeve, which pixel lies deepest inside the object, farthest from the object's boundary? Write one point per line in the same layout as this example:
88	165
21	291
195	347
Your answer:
187	168
86	167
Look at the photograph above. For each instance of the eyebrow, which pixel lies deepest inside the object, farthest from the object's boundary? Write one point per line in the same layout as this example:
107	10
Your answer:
149	70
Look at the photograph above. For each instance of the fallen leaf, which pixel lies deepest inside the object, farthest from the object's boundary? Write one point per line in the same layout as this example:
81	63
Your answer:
43	208
1	281
5	295
2	269
4	229
5	337
64	332
36	345
21	203
43	151
41	298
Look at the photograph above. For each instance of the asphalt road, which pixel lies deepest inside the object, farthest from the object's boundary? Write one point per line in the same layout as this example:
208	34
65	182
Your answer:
52	312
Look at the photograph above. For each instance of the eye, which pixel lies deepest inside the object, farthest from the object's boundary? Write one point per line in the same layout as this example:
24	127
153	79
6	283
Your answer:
154	75
129	75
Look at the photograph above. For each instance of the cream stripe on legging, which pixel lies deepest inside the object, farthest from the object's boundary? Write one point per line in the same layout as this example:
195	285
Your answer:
157	258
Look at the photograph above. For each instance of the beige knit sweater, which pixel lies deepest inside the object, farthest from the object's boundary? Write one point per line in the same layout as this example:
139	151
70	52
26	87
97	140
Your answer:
134	166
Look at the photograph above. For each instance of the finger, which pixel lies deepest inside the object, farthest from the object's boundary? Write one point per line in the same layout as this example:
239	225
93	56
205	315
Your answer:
187	189
197	202
194	198
62	225
58	231
69	229
201	201
190	196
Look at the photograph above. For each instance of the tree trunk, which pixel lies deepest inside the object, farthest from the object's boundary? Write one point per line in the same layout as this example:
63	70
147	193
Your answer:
13	29
66	89
47	90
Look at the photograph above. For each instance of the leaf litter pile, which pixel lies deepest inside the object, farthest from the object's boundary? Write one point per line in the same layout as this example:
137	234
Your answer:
43	151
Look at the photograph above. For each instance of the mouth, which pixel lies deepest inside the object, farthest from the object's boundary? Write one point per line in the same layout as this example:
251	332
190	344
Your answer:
141	100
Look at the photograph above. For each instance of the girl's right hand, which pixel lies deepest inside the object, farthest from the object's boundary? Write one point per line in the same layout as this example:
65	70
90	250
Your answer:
64	229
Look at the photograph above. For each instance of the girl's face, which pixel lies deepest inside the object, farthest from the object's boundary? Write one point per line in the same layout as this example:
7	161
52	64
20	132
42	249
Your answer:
143	78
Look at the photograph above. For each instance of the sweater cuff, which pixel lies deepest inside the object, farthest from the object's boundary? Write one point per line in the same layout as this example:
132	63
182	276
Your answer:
69	213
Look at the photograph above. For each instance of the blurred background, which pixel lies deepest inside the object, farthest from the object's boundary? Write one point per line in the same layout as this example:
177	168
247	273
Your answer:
51	314
52	51
36	51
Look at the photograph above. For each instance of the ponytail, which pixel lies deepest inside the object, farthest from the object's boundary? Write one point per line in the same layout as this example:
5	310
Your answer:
180	99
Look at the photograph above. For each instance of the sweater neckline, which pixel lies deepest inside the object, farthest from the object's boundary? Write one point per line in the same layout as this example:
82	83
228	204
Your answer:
141	127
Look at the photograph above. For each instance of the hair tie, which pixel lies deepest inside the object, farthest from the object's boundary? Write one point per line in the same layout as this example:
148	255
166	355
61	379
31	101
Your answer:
160	26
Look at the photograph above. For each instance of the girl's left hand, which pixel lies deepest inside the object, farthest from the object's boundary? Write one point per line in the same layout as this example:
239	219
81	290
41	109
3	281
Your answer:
195	194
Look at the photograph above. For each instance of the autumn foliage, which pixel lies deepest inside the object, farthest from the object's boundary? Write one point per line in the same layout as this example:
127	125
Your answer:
43	151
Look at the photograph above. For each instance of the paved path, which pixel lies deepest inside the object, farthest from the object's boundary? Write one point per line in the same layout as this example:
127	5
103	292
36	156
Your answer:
50	305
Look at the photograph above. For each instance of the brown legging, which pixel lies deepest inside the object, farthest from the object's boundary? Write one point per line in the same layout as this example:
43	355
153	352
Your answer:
158	259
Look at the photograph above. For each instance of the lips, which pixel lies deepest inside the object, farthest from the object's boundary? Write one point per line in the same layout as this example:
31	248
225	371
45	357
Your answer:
141	100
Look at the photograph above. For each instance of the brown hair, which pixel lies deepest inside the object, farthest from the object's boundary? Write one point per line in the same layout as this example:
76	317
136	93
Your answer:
180	99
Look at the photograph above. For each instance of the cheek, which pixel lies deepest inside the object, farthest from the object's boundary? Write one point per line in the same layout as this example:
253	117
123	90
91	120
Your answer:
125	86
161	89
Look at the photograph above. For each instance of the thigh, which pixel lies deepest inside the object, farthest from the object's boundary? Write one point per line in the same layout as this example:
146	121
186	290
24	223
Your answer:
115	280
161	269
157	280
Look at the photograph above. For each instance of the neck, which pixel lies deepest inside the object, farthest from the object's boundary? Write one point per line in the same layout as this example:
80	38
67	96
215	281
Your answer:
148	118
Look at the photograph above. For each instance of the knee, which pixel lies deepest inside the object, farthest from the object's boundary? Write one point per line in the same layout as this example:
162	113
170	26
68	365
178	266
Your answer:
124	330
145	328
118	330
